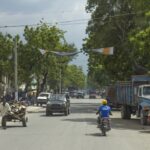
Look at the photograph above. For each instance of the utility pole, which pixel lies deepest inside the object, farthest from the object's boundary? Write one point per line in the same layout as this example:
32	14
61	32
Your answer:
16	69
60	84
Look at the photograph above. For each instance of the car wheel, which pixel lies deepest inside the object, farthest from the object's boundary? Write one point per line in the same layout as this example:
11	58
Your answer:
47	113
66	112
24	124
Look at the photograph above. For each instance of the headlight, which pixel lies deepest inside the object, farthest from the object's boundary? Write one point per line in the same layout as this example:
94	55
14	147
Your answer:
49	103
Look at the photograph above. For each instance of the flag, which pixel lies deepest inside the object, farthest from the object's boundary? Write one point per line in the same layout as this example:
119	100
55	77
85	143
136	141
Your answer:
65	53
105	51
42	51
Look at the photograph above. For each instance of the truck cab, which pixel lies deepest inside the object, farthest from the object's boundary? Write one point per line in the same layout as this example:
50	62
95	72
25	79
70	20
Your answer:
144	102
144	91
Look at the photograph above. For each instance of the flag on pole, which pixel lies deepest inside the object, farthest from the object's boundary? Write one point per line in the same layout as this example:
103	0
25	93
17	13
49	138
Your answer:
105	51
42	51
65	53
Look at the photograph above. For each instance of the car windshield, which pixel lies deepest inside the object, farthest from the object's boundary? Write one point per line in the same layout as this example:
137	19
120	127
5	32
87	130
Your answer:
43	95
146	90
57	97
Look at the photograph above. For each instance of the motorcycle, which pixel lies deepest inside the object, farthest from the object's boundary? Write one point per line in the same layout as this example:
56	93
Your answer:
104	125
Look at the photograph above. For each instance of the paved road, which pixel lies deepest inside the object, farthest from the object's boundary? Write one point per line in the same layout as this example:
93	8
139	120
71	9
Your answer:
75	132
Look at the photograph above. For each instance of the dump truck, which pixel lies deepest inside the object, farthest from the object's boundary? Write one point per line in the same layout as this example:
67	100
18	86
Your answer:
133	96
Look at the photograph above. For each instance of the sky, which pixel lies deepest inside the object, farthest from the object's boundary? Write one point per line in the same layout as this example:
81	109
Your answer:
26	12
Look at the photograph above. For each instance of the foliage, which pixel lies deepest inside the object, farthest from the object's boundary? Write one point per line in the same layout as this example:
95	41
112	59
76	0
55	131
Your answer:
74	77
111	23
32	65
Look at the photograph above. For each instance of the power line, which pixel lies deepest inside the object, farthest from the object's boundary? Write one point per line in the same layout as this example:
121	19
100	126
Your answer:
72	22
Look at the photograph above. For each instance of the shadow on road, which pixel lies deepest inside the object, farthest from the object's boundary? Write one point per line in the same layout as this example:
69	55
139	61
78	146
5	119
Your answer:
94	134
145	131
54	115
13	126
90	121
84	108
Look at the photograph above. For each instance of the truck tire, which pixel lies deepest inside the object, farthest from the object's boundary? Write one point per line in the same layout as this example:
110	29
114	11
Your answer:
128	112
143	119
125	112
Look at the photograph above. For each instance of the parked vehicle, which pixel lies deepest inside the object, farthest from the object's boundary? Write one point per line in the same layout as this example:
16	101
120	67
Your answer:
134	97
73	94
43	98
80	95
58	104
92	94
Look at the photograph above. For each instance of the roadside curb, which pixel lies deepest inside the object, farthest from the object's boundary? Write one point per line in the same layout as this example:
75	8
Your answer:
35	109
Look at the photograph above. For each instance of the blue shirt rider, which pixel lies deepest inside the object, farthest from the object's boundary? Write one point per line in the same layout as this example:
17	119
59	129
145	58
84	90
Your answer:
104	110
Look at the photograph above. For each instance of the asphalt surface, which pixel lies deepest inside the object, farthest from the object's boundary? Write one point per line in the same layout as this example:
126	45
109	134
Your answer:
78	131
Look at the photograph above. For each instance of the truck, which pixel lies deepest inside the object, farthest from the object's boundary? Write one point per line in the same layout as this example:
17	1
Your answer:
133	96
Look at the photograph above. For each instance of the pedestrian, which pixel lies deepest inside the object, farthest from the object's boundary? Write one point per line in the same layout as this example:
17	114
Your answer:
4	111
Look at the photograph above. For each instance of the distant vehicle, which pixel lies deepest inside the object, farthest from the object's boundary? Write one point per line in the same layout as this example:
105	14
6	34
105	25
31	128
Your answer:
58	104
43	98
80	95
92	94
73	94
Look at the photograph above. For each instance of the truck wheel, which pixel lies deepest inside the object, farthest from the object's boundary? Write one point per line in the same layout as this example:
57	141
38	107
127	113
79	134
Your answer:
66	113
143	119
125	112
128	112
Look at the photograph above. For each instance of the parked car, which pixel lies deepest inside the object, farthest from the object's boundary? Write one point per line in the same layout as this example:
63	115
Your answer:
92	95
80	95
73	94
43	98
58	104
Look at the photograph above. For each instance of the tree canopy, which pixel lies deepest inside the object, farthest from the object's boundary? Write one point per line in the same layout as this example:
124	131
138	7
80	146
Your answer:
112	23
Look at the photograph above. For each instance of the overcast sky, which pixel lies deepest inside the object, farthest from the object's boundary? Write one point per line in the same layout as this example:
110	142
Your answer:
18	12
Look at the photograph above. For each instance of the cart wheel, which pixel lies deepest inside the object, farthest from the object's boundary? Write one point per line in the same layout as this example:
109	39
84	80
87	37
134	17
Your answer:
27	119
4	123
24	122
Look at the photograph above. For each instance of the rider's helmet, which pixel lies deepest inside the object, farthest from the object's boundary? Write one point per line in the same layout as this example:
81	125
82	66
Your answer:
104	102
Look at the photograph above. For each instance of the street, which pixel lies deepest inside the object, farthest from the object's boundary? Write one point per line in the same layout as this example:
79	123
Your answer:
78	131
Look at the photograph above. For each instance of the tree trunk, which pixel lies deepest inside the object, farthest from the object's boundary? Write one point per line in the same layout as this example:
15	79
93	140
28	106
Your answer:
43	82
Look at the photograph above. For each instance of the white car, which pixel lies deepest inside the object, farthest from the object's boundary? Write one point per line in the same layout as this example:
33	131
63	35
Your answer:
43	98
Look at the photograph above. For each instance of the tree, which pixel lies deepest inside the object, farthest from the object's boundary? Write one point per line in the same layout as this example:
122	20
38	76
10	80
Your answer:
74	77
140	42
111	23
42	67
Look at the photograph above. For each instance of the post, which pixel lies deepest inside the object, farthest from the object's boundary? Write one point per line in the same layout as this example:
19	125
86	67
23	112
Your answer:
16	69
60	81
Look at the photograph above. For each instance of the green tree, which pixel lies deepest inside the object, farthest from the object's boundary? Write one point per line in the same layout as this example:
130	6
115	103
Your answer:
74	77
111	23
42	67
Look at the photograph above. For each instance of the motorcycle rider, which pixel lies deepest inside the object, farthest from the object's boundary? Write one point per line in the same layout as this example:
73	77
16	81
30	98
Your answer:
104	111
4	110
